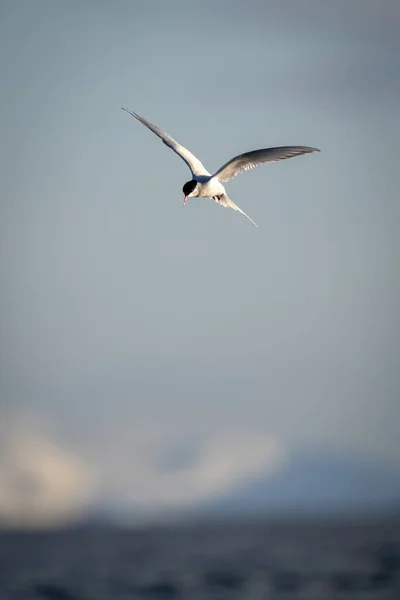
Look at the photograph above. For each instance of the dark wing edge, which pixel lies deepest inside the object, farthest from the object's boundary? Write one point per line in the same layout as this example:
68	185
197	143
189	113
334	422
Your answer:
254	158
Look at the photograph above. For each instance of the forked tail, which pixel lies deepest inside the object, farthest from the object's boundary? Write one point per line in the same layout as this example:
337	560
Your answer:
224	200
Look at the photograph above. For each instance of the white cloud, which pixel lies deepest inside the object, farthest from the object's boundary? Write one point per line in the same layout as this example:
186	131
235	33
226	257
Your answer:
207	465
41	482
141	470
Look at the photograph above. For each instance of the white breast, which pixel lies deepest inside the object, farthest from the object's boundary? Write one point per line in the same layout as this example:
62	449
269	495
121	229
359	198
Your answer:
211	187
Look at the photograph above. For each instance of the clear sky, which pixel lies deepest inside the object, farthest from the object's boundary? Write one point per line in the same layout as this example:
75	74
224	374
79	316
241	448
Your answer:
136	333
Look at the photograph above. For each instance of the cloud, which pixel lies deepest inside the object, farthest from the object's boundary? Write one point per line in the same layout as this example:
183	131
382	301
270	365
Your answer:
136	470
156	469
41	482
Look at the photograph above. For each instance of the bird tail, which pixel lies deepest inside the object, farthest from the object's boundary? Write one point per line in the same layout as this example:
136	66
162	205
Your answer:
225	201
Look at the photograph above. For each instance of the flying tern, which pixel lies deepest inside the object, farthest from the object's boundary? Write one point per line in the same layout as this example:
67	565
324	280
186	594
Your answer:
205	185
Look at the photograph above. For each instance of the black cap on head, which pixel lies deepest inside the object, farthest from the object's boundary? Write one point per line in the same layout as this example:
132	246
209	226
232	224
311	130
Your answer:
189	187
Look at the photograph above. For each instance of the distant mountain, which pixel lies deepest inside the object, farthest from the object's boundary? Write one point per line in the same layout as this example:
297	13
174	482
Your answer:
314	482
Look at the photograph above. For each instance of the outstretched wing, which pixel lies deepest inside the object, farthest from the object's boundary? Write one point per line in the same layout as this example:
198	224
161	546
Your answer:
192	162
252	159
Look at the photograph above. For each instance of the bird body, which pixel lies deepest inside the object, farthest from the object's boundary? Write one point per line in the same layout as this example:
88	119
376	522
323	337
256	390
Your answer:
206	185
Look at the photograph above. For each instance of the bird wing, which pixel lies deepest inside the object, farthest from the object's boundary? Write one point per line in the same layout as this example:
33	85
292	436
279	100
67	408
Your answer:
192	162
225	201
252	159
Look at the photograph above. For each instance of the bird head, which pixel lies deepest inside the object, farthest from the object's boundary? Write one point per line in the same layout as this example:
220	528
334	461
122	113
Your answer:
190	190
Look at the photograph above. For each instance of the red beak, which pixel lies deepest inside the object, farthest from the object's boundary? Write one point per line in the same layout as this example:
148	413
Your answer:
184	200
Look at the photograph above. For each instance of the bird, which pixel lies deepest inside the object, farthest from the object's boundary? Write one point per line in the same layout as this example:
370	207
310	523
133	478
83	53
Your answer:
206	185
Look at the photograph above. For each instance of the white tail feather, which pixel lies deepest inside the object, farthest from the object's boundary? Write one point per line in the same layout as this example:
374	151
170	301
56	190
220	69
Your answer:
225	201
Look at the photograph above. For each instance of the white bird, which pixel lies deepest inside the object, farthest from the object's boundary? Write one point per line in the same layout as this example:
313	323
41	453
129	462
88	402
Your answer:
205	185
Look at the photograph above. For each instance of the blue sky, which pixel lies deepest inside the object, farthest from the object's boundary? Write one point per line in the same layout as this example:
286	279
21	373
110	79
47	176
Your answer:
135	329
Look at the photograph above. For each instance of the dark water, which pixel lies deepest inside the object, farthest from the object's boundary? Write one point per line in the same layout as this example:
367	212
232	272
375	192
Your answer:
253	560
